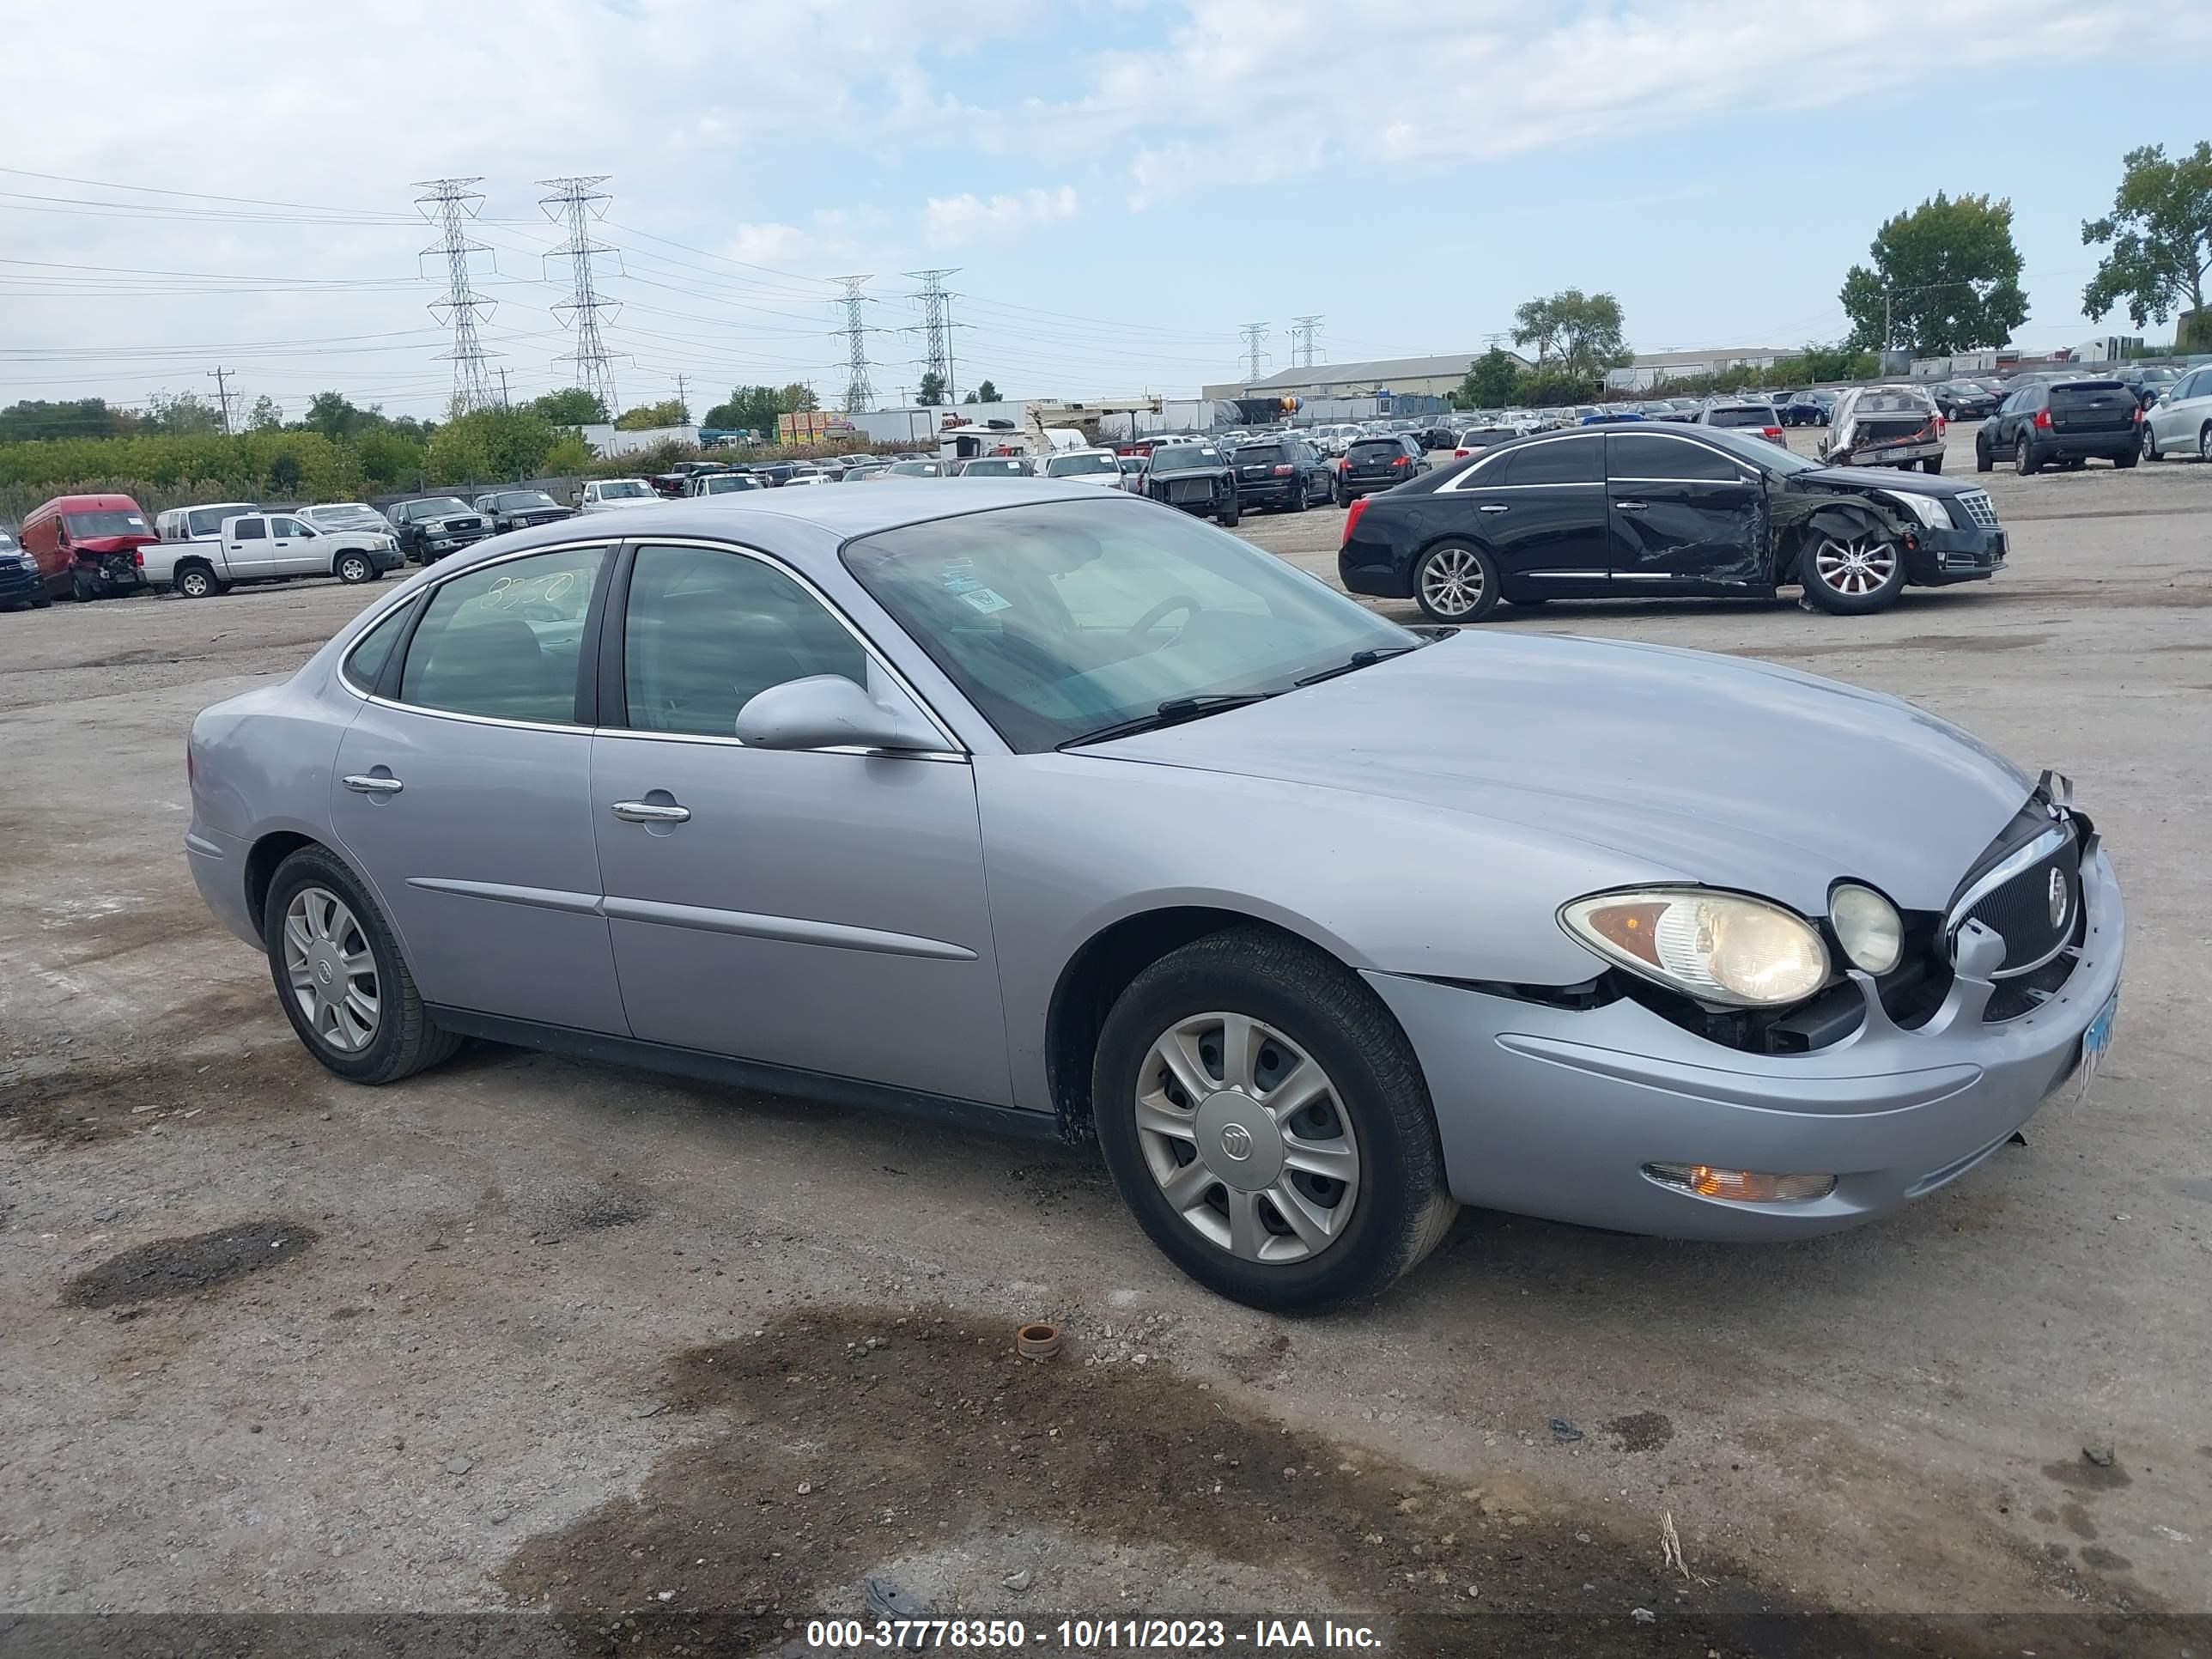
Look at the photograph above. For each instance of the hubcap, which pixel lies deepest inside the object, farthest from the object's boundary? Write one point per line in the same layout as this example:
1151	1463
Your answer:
1244	1133
1855	567
1451	581
196	584
331	969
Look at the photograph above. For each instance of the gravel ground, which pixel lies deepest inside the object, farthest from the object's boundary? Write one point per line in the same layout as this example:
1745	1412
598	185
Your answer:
531	1332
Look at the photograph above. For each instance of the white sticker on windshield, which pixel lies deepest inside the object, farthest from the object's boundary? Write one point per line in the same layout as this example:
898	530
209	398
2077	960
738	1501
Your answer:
985	600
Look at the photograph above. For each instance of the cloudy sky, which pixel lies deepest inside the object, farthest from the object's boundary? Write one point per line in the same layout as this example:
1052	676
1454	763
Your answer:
1120	183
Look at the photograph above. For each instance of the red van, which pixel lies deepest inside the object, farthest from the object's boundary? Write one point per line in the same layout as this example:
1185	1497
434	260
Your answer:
88	546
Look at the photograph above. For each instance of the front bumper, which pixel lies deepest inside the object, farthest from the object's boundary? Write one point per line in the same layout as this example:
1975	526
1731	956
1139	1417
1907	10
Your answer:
1205	506
17	584
386	558
1889	455
1554	1112
1938	557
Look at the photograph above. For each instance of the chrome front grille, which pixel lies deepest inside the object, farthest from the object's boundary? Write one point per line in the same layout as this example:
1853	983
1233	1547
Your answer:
2032	897
1977	505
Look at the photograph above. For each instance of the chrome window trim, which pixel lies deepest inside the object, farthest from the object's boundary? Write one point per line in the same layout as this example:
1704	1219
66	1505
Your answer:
1499	453
1996	876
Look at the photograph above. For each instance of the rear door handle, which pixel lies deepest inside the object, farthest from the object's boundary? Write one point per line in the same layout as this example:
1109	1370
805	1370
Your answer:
644	811
1628	506
1493	507
362	784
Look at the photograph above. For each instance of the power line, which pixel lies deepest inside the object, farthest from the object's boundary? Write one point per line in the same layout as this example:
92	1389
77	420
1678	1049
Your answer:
936	326
1255	336
456	205
859	393
1302	341
580	201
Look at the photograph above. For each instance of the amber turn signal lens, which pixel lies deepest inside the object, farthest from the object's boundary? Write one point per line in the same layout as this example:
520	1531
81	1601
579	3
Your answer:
1743	1186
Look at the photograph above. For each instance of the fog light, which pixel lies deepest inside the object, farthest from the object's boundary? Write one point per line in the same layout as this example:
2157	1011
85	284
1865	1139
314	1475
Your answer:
1744	1186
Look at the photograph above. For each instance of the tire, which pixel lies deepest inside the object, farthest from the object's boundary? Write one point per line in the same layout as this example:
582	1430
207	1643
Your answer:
1932	464
353	568
1455	582
1297	502
197	581
80	587
1370	1121
2127	460
2023	457
1851	573
43	602
1228	518
403	1041
1344	498
2204	442
2150	444
1984	461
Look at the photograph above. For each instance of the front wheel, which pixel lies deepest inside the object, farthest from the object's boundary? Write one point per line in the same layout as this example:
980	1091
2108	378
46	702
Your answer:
1228	518
2150	444
1298	501
1984	461
42	602
340	977
354	568
1455	582
1852	573
1266	1122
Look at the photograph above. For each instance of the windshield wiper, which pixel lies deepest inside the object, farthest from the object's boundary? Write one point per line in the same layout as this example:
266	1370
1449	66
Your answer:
1174	712
1359	659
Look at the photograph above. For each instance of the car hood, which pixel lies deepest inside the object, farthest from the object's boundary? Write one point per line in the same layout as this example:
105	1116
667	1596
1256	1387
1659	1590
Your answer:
1714	769
1862	478
101	546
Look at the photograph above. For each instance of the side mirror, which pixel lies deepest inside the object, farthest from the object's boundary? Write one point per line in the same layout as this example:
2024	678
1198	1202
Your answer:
825	711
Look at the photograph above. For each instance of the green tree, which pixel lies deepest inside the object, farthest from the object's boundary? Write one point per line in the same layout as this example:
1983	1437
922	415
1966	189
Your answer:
796	399
1491	380
932	389
267	415
182	413
1579	333
86	417
333	414
2160	233
985	393
491	445
748	408
646	417
388	457
570	406
569	453
1945	278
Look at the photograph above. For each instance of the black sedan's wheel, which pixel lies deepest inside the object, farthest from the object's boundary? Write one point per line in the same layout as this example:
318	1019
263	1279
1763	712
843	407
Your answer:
1266	1122
340	977
1228	517
1455	582
1852	573
2023	457
355	567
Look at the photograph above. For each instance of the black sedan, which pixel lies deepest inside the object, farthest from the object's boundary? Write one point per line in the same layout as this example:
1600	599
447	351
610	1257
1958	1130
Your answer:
1288	474
1371	463
1962	400
1651	511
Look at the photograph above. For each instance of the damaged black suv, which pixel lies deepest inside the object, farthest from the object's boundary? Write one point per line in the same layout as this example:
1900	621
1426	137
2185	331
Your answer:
1649	510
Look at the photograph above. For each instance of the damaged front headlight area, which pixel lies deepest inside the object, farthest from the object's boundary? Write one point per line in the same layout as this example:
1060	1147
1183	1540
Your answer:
1928	509
1727	950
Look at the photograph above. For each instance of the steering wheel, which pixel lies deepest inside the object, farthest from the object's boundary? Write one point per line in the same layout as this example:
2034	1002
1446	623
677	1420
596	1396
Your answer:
1167	607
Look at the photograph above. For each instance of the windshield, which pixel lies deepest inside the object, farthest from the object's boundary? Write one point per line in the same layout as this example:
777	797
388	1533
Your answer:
7	542
521	498
92	525
208	520
724	484
623	490
1077	467
1770	457
347	517
994	466
915	469
1259	454
1182	458
436	504
1060	620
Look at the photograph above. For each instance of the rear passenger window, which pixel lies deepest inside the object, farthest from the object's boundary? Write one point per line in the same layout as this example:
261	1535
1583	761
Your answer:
504	641
707	631
253	529
1564	460
364	664
1640	455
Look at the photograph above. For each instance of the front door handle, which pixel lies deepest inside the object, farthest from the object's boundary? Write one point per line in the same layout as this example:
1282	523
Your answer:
1493	507
363	784
644	811
1628	506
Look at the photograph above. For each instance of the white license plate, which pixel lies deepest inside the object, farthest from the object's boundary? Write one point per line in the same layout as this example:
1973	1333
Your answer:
2097	1039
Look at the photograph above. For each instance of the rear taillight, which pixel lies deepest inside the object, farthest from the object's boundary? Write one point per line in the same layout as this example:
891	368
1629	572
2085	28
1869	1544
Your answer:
1403	460
1462	454
1351	516
138	557
1772	432
2138	414
2042	420
1285	471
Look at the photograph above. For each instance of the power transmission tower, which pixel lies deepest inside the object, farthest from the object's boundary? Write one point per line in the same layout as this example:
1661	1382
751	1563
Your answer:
1255	336
859	392
455	205
1302	341
575	203
221	378
936	325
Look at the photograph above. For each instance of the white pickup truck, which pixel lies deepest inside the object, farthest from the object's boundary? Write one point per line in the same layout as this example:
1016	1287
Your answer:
264	547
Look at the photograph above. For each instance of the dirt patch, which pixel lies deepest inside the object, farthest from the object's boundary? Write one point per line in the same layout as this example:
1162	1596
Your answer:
1642	1431
2082	1475
838	1443
78	1104
183	1266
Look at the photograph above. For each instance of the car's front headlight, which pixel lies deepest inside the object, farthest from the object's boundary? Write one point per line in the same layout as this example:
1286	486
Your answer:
1867	926
1717	947
27	562
1926	508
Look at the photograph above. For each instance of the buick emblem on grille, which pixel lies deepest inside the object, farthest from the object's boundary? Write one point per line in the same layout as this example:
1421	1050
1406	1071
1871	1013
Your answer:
2058	898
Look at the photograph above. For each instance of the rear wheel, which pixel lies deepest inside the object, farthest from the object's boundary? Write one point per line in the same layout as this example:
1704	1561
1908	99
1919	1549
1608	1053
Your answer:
1298	501
340	977
1984	461
1455	582
1932	464
1851	573
2126	460
1266	1122
197	581
1228	517
2023	457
